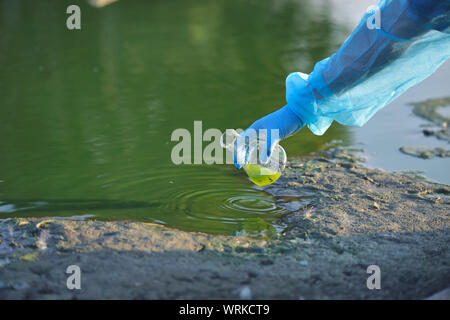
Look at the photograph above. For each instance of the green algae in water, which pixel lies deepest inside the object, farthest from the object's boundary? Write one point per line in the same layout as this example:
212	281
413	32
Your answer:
88	131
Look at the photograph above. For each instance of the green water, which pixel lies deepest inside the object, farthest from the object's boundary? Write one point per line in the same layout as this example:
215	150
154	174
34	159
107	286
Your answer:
86	116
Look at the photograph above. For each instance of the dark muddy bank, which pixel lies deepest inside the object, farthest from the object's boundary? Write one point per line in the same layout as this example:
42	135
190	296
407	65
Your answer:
357	217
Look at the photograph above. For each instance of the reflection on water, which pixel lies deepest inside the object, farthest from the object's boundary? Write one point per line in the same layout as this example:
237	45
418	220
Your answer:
87	115
13	206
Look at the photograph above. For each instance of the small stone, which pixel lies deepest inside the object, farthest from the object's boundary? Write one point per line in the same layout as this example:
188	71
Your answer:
376	205
252	274
20	285
44	222
4	262
112	233
426	155
292	205
266	262
304	263
293	184
29	256
22	223
14	244
347	165
245	293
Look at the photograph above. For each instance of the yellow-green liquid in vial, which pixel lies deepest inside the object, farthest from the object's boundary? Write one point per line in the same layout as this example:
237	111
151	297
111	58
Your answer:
260	175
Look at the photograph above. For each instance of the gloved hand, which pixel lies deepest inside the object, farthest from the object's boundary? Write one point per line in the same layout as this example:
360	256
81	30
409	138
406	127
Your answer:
278	125
371	69
373	66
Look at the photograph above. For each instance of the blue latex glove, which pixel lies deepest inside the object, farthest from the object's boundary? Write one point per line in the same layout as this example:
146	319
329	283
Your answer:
371	69
278	125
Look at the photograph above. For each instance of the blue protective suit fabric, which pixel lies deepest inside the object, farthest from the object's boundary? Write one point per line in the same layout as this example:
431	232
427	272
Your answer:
373	66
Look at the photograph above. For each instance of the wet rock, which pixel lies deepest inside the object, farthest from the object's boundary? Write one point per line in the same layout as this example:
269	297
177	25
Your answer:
292	205
113	233
347	165
376	206
29	256
266	262
442	295
429	110
252	274
425	152
249	249
245	293
4	262
22	222
293	184
44	223
20	285
15	244
303	263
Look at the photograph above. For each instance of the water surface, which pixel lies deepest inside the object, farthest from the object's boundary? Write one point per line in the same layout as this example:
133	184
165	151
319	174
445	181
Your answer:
86	116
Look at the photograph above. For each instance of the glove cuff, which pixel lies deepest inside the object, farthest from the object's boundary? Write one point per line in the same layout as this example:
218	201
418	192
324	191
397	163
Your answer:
301	98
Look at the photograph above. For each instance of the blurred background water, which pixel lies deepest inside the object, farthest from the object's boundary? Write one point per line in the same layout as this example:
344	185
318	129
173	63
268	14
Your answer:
86	116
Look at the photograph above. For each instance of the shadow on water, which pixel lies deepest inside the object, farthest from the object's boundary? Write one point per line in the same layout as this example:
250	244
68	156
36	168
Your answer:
89	113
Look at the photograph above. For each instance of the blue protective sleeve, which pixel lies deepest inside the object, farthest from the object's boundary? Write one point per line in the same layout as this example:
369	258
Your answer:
373	66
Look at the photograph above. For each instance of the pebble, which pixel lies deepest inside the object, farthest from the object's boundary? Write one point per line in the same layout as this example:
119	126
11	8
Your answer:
245	293
304	263
293	184
376	205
